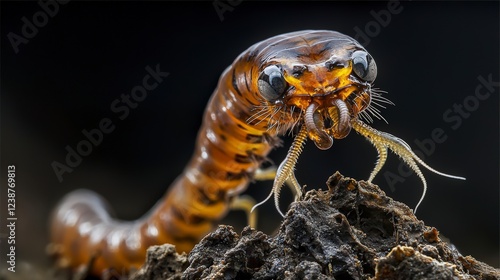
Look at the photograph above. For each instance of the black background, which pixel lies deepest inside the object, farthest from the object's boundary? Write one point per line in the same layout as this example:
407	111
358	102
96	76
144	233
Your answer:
64	79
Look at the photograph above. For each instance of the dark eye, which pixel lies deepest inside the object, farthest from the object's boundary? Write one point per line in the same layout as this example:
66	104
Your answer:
271	83
364	66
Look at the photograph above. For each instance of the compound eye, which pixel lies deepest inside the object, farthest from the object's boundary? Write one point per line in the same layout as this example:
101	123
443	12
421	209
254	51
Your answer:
271	83
364	66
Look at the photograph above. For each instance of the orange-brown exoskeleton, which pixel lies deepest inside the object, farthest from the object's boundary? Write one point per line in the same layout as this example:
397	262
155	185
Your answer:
315	83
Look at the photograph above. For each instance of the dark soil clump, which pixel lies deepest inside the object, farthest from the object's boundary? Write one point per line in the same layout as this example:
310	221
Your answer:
351	231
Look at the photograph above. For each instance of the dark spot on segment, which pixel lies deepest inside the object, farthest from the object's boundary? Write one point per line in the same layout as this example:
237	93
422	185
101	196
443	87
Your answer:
326	47
242	158
240	126
204	199
246	82
251	55
254	139
298	70
180	215
210	196
250	157
235	85
334	65
230	176
223	137
303	55
255	158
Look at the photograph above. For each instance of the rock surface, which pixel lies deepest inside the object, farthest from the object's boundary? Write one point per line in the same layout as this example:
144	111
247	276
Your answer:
351	231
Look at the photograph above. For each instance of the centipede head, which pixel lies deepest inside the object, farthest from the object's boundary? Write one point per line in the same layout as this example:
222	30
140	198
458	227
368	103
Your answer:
323	84
322	81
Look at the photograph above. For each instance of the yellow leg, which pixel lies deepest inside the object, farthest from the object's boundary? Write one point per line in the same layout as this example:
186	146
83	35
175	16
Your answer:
270	174
383	141
245	203
285	173
265	174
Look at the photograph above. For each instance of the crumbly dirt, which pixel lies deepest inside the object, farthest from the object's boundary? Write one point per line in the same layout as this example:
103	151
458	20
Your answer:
351	231
162	262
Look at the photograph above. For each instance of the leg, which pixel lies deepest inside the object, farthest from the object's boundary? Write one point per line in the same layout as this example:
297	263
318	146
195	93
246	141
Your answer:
383	141
285	170
270	174
245	203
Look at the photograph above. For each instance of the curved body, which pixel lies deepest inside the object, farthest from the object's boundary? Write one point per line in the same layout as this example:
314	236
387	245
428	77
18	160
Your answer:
302	79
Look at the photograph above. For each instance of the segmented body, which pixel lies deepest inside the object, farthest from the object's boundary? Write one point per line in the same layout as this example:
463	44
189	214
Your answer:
302	79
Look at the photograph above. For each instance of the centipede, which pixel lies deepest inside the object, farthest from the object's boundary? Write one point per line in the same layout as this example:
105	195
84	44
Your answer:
314	85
